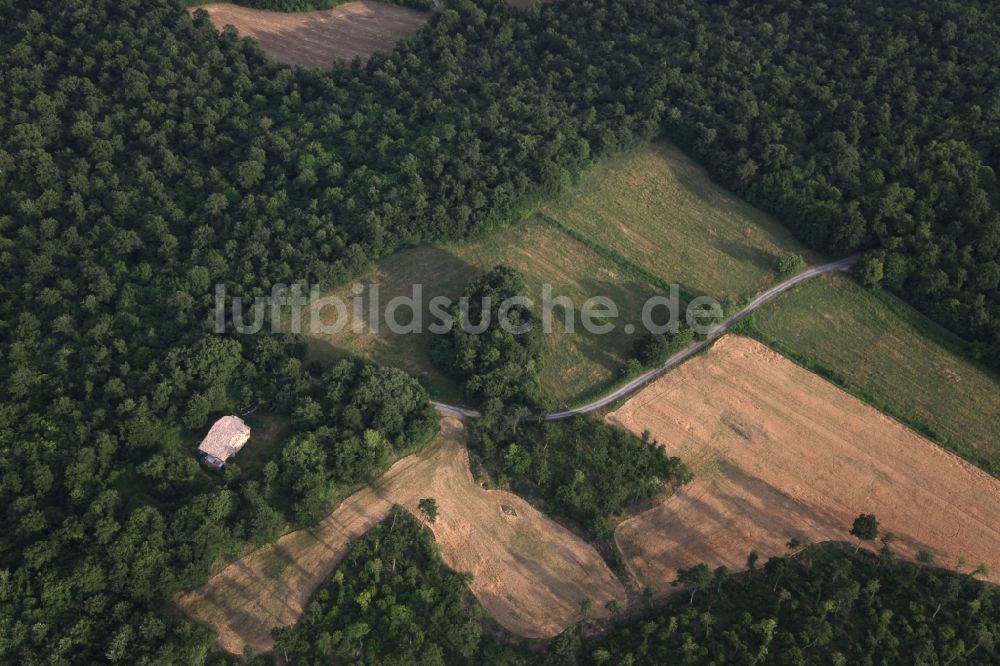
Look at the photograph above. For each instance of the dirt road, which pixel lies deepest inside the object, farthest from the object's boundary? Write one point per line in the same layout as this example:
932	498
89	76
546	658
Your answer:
681	356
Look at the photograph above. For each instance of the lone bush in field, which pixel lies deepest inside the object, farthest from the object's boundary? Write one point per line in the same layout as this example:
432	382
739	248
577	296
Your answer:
429	507
865	528
790	263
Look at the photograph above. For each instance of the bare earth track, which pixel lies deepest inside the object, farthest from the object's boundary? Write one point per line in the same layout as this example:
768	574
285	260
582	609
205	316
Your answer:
317	39
778	452
529	573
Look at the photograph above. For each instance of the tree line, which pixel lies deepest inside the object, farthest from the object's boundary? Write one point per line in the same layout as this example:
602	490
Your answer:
818	604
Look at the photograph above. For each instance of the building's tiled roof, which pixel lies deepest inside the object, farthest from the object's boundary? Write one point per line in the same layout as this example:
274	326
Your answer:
226	437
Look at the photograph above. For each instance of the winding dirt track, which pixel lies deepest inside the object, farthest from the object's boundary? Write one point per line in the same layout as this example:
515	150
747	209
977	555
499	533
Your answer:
317	39
678	358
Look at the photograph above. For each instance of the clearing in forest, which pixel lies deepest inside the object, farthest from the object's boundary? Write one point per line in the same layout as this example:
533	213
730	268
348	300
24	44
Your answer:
318	39
658	209
779	453
884	350
529	573
574	363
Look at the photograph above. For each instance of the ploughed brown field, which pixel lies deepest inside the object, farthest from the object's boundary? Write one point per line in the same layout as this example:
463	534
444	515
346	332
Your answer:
529	573
778	452
317	39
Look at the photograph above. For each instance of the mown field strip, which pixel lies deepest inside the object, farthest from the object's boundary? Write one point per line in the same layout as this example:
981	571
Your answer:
659	210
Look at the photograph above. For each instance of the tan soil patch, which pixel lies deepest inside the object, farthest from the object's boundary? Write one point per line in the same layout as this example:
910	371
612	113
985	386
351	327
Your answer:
778	452
529	573
317	39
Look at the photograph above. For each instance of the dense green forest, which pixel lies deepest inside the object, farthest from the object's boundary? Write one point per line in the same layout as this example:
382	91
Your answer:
345	432
584	470
824	606
144	158
494	343
392	601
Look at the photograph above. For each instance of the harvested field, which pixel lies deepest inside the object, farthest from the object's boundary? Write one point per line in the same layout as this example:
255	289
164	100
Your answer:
576	362
778	452
530	573
658	208
318	39
886	350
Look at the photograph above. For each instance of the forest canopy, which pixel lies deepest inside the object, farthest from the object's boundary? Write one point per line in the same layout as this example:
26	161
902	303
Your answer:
145	158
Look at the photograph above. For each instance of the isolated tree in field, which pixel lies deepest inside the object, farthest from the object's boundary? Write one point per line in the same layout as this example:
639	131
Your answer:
752	560
696	579
651	349
429	507
631	368
865	528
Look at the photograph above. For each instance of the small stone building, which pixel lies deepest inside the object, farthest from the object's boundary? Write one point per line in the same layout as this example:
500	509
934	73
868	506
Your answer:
224	440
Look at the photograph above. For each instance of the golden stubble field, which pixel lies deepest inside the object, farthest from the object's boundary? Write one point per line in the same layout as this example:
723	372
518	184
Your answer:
318	39
779	452
886	349
529	573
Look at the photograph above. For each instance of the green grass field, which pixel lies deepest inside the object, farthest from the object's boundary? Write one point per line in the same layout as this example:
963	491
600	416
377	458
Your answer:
657	208
633	224
575	363
884	351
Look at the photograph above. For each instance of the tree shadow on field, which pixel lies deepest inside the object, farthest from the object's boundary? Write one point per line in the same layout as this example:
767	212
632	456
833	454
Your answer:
719	524
432	271
743	253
